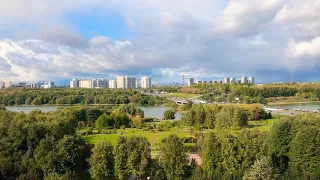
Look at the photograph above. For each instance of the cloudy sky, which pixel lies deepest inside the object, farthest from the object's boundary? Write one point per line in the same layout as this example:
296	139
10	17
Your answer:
205	39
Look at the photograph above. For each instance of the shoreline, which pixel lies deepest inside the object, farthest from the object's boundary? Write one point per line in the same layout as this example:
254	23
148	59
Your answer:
295	102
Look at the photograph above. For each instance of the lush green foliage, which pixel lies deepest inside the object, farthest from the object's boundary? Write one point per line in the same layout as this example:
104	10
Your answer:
102	161
257	93
76	96
223	116
38	145
169	114
45	146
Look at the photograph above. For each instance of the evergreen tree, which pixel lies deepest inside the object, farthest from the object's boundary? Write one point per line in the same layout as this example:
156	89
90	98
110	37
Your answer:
102	161
261	170
121	154
211	156
173	158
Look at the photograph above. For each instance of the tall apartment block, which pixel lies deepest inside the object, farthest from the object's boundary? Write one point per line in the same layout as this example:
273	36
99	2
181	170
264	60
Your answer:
251	80
112	84
102	83
226	80
232	80
190	81
244	80
145	82
126	82
74	83
87	83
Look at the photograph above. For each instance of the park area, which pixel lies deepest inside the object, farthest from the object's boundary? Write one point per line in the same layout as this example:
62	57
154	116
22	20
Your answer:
155	138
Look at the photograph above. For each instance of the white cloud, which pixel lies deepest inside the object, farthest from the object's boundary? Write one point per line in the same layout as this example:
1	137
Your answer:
200	38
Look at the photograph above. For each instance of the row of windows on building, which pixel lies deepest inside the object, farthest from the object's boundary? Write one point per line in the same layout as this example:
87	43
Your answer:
122	82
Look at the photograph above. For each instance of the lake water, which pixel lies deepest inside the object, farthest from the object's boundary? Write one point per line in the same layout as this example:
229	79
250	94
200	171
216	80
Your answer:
149	111
302	106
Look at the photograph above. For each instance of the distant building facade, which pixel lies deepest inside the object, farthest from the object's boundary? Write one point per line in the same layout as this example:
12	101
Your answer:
87	83
102	83
244	80
126	82
251	80
7	84
145	82
50	84
233	80
112	84
74	83
226	80
190	81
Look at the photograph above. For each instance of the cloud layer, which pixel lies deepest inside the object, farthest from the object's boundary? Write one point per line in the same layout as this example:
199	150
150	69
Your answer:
271	40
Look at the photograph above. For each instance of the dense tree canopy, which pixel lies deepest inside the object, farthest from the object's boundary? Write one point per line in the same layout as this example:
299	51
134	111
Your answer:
76	96
46	146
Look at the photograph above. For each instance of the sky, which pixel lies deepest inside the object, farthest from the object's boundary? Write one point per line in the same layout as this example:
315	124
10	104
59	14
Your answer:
55	40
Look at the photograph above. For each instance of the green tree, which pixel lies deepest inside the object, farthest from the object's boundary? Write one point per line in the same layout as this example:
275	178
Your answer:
305	152
102	161
173	158
211	156
121	154
278	143
262	169
139	156
103	121
169	114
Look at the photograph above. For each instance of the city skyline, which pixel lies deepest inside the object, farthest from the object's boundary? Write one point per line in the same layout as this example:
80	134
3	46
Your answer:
269	40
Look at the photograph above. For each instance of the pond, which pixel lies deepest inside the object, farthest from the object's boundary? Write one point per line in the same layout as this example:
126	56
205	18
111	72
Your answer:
300	106
149	111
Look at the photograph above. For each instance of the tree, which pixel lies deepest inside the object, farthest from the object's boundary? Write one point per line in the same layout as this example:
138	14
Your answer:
137	121
92	114
305	152
173	158
211	156
102	161
278	143
121	154
169	114
261	170
139	156
103	121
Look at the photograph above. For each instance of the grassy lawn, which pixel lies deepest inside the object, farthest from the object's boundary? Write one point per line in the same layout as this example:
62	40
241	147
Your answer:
181	95
154	137
263	125
151	136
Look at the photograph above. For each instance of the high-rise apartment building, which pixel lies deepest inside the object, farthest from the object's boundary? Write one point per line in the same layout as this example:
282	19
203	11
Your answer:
232	80
251	80
199	82
87	83
145	82
102	83
74	83
226	80
50	84
112	84
7	84
126	82
121	82
244	80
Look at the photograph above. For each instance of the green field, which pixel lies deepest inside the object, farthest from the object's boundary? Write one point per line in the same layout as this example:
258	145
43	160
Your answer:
153	137
157	137
263	125
181	95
